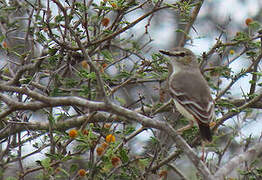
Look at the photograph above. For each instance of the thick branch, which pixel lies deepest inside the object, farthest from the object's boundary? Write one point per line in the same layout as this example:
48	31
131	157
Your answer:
48	101
250	154
148	122
238	110
59	126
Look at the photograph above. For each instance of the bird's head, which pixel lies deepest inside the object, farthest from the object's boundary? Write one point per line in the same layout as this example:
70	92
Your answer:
180	58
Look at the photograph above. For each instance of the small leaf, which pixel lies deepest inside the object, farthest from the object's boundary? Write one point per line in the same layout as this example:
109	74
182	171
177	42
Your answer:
10	178
64	172
59	18
107	54
2	38
73	168
121	100
46	162
124	155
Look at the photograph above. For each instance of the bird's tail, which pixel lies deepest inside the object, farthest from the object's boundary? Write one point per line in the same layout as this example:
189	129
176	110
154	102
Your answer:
205	132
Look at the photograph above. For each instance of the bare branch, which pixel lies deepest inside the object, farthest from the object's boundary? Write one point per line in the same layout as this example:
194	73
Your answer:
190	23
249	155
148	122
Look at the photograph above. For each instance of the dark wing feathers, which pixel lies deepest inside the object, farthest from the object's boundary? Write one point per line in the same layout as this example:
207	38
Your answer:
197	100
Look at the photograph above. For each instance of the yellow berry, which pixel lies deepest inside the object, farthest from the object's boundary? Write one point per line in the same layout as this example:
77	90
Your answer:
110	138
212	124
248	21
85	132
84	64
105	21
115	161
81	172
73	133
104	145
238	33
100	150
114	5
104	65
231	52
163	174
107	125
4	44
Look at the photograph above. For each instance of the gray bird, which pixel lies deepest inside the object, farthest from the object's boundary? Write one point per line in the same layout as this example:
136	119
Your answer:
190	90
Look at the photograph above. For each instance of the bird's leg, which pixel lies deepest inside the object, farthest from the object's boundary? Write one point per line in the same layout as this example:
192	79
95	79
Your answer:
190	125
203	144
203	151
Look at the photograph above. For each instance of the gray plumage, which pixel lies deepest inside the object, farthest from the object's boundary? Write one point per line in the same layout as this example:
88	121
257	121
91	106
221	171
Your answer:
190	90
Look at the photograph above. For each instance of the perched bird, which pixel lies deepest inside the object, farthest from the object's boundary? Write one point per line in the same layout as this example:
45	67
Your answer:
190	90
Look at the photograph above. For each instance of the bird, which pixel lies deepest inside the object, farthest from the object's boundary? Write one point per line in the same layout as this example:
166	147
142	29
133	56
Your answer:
189	90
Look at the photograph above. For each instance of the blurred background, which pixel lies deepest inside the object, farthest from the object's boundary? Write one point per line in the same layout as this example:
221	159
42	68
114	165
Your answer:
219	20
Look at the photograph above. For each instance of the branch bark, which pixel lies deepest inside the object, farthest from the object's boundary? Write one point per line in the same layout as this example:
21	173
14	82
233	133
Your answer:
249	155
166	127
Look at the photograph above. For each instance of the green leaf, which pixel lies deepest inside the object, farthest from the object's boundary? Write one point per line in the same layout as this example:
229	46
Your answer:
124	74
59	18
73	168
154	140
70	83
257	73
2	38
52	60
10	178
252	82
121	100
64	172
85	90
51	119
107	55
46	163
85	74
90	28
53	156
251	53
124	155
80	6
40	37
235	110
26	80
170	5
255	25
129	130
56	92
9	8
241	36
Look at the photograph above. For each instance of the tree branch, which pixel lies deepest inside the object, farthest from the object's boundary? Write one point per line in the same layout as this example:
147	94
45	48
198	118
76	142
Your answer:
164	126
249	155
190	23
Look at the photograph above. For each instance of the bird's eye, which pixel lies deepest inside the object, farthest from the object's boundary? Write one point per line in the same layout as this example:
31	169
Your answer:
182	54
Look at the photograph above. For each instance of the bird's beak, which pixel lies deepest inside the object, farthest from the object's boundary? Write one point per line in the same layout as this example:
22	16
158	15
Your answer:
168	53
165	52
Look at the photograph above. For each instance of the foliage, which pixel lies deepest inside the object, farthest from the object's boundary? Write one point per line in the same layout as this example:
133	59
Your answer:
96	86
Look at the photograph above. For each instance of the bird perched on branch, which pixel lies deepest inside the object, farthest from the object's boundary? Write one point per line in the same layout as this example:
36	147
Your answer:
190	90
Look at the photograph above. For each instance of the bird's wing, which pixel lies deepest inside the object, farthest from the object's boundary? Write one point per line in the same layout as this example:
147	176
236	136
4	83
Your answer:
196	99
